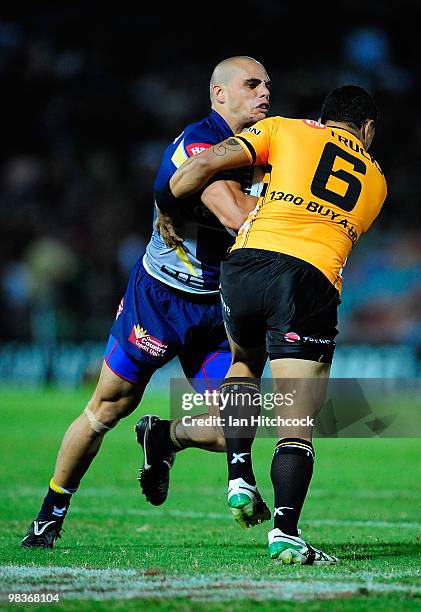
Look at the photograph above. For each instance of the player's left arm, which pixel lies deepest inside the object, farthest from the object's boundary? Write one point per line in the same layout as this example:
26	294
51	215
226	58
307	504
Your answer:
379	197
196	172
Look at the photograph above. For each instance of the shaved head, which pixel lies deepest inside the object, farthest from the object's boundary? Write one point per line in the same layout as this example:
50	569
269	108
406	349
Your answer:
239	91
230	67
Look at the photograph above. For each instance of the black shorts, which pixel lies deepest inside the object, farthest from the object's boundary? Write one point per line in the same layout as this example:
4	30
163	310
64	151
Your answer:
281	301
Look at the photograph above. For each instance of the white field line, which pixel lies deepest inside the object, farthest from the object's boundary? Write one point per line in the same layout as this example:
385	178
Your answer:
105	584
219	516
113	492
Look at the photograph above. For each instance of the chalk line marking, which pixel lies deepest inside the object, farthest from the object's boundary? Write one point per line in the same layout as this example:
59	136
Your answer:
219	516
104	584
212	491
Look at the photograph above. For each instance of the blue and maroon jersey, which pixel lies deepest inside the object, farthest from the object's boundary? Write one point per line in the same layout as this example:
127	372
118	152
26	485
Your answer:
193	266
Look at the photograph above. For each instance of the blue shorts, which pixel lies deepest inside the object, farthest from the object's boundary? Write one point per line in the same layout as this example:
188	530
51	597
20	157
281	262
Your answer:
156	323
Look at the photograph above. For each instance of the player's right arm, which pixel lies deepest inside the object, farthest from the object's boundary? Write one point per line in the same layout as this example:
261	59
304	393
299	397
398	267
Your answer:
251	147
197	171
223	197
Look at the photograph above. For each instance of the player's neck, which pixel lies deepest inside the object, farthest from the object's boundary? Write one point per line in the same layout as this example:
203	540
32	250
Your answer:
347	127
235	125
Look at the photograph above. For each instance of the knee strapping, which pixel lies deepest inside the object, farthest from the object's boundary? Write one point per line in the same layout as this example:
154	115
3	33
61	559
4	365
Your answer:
96	425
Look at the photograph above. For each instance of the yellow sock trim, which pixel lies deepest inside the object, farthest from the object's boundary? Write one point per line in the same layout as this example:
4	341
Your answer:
293	444
55	487
299	444
173	435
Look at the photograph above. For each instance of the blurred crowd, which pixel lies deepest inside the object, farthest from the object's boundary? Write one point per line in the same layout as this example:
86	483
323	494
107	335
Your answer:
91	101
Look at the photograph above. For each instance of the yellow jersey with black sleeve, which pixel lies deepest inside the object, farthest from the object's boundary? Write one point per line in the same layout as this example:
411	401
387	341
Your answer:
322	190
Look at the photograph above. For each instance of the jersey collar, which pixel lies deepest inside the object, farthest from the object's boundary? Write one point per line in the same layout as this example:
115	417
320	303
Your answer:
220	121
335	127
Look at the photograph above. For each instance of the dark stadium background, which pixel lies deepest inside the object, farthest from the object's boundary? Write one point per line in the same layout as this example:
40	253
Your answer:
91	96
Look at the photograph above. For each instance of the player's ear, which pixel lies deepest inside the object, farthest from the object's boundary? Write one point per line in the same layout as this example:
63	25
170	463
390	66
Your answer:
368	129
219	94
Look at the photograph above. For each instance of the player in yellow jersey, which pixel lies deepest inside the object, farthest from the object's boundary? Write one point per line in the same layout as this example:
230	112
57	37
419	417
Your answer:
281	284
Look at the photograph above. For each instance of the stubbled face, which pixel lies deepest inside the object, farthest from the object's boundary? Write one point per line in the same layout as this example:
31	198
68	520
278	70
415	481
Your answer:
247	94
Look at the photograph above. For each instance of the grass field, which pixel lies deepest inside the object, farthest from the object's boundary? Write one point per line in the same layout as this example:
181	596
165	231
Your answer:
118	552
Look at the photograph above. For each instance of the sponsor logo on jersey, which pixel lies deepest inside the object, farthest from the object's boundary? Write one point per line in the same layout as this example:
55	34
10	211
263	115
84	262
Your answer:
292	337
147	343
197	147
314	124
310	340
253	130
314	207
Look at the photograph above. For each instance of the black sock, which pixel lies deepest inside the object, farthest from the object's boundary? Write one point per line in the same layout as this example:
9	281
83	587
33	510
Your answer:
240	399
55	504
291	472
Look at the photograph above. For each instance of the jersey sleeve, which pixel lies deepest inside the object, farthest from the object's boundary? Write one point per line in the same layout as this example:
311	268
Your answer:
195	141
381	194
256	140
191	142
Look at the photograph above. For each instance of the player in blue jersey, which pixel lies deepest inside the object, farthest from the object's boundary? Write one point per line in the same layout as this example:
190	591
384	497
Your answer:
171	308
